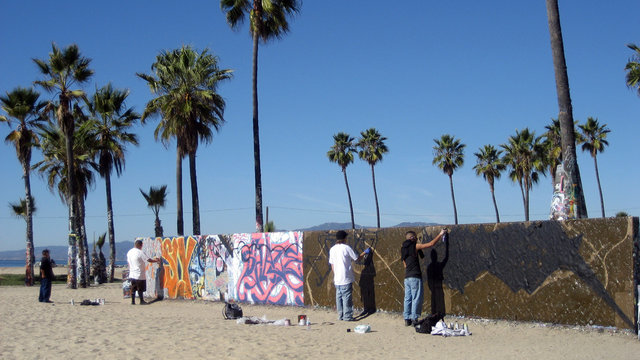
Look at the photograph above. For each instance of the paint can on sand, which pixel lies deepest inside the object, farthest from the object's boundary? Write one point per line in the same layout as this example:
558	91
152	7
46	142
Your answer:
302	320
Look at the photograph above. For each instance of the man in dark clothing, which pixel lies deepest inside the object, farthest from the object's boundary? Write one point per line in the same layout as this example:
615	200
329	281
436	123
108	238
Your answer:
413	290
46	277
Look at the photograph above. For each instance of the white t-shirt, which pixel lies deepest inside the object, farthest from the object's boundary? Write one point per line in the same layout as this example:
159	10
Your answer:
340	256
136	259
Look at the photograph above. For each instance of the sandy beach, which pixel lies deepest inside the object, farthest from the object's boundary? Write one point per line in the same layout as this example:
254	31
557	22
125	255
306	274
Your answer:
196	329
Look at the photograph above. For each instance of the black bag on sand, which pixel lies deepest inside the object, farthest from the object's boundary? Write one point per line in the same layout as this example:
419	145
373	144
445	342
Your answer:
424	326
231	311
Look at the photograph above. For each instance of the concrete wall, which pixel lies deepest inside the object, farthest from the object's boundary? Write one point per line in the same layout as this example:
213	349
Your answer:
571	272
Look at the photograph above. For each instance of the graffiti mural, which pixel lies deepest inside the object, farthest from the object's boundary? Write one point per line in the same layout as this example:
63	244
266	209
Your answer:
152	248
176	255
217	262
267	268
563	201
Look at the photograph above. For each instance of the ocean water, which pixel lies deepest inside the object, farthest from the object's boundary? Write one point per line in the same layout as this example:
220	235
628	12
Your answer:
19	263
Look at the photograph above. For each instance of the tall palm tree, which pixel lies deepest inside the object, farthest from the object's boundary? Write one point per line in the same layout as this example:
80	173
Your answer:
342	153
594	141
489	164
267	20
371	148
448	155
25	209
53	166
633	68
156	199
524	155
62	72
22	108
112	121
185	83
565	114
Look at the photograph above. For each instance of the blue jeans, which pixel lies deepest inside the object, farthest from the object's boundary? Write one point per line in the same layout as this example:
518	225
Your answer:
45	290
412	298
344	302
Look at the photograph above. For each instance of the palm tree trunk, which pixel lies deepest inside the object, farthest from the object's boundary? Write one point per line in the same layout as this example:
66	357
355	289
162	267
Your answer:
195	204
375	194
30	257
353	223
524	201
527	187
158	227
81	264
110	227
595	162
180	221
256	137
495	205
72	280
565	115
453	198
85	244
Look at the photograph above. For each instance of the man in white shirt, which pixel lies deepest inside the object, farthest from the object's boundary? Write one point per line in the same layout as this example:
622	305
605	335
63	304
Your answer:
136	259
340	257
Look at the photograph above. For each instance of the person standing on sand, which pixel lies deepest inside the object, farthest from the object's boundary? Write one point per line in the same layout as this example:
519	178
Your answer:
46	277
340	257
413	289
136	259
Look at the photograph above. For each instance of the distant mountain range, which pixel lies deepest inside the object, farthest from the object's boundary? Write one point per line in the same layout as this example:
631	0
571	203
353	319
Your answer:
59	252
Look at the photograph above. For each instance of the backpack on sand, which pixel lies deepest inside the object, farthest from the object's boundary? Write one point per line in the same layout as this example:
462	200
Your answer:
424	326
231	311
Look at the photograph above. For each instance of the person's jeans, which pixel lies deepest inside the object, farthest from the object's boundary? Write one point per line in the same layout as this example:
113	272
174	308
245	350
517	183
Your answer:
344	302
45	290
412	298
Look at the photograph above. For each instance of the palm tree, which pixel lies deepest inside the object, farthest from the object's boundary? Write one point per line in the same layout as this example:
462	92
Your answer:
156	199
64	70
53	167
270	226
342	153
25	209
371	148
490	166
111	120
524	155
186	84
448	155
595	140
633	68
565	115
267	20
22	108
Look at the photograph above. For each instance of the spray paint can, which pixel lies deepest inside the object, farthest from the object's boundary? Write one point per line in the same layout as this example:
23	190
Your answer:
445	236
72	302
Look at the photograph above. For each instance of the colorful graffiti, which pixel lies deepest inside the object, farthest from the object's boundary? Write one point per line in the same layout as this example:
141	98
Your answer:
154	273
267	268
264	268
563	202
217	262
176	255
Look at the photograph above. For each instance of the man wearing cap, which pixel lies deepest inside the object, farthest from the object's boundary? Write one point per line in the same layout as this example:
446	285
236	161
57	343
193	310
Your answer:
340	257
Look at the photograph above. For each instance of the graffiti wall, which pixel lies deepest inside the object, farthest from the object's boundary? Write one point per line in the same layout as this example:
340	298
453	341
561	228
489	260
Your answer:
572	272
260	268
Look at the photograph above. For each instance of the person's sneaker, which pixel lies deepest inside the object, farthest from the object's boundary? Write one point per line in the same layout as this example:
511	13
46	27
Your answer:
144	302
407	322
415	322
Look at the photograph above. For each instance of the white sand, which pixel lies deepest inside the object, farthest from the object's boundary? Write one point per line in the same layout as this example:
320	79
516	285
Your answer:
195	329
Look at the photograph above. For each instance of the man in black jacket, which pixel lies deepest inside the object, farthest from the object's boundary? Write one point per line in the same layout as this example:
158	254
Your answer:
46	277
413	289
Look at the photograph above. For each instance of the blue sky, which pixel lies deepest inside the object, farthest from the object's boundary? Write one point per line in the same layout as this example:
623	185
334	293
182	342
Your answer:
475	70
